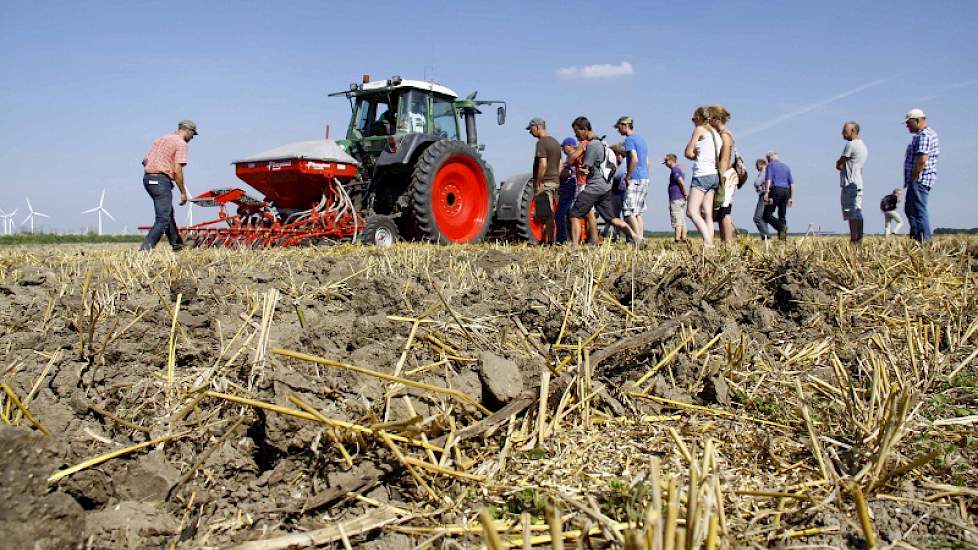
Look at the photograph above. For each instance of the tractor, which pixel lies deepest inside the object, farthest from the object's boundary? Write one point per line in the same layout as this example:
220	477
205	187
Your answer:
416	169
403	170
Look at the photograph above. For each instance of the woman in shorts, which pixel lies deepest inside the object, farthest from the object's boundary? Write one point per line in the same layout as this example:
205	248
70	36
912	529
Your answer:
718	117
702	150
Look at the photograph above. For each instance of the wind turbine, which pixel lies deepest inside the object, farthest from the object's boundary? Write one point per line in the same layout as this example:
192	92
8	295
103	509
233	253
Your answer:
31	214
100	210
7	222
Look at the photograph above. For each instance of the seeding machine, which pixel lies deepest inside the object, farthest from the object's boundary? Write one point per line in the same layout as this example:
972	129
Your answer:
402	172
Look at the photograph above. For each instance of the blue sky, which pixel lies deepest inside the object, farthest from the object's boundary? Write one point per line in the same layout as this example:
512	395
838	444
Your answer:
85	87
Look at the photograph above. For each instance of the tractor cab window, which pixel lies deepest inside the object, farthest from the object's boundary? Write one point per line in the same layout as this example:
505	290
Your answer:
412	116
443	118
374	117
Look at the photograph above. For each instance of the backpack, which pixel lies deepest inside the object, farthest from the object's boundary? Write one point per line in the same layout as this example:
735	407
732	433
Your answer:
738	166
888	203
608	164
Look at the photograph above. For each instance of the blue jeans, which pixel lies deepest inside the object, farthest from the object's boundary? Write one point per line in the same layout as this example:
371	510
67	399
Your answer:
160	189
916	209
759	218
565	199
779	201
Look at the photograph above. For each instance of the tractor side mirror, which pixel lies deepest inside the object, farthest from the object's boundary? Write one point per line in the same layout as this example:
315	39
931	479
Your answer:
501	115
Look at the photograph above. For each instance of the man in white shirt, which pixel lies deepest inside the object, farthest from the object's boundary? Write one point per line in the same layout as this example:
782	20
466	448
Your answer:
850	167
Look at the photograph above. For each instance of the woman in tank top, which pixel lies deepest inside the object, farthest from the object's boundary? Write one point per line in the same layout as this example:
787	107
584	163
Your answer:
702	150
718	117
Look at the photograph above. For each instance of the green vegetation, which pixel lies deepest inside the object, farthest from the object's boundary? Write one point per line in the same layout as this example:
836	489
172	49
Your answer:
527	500
52	238
537	453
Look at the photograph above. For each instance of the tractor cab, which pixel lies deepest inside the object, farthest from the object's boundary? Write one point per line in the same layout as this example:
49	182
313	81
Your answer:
401	115
385	114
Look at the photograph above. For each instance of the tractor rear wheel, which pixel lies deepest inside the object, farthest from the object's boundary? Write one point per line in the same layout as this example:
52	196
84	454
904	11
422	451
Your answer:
528	227
379	230
452	193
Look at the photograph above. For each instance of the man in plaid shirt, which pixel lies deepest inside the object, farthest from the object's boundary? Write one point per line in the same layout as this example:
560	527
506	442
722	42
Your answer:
162	168
919	173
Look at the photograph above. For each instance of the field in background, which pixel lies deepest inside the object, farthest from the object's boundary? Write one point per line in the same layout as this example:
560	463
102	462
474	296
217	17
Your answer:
54	238
801	394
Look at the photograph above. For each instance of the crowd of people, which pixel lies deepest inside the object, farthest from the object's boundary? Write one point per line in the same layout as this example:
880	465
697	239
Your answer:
583	176
586	178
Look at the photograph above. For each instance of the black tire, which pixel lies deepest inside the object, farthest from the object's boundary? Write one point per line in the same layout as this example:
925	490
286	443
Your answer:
435	217
522	228
379	230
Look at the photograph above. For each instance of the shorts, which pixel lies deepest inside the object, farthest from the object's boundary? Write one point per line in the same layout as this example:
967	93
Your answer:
577	192
705	183
549	187
892	216
851	197
617	201
677	213
602	201
635	197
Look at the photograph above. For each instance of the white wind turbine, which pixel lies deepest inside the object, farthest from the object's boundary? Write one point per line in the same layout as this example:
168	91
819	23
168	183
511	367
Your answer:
100	209
31	214
7	222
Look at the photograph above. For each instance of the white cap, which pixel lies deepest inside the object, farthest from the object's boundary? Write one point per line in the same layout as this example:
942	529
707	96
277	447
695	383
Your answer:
914	113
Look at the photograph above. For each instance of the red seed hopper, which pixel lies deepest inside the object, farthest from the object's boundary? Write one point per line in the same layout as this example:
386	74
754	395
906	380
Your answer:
305	201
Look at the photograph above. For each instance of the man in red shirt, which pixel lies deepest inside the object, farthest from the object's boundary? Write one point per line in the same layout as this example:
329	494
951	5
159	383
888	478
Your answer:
162	167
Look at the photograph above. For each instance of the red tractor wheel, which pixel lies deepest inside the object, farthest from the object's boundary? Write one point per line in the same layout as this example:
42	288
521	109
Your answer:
528	227
452	193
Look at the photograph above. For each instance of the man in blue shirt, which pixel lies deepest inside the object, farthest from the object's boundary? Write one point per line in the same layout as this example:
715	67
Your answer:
777	194
637	176
919	173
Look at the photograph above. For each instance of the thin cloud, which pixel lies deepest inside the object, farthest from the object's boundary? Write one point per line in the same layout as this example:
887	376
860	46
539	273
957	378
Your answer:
812	107
945	89
604	70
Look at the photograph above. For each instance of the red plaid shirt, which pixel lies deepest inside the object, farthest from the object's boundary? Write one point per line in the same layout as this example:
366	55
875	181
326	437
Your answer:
165	154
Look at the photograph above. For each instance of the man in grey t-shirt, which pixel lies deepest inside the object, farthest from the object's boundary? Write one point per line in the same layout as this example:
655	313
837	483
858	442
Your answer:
597	191
850	167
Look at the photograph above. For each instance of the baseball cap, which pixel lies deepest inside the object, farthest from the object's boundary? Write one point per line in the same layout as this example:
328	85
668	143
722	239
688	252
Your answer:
536	121
914	113
569	141
623	120
188	124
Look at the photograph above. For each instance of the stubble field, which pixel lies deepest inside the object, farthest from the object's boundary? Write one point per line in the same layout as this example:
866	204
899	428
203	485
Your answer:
805	395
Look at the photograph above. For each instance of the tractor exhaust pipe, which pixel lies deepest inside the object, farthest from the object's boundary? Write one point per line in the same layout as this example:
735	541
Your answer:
471	135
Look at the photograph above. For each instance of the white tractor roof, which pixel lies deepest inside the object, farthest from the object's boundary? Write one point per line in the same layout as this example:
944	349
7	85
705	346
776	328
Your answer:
417	84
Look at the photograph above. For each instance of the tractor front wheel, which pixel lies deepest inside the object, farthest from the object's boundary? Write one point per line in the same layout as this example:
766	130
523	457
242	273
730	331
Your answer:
379	230
452	193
